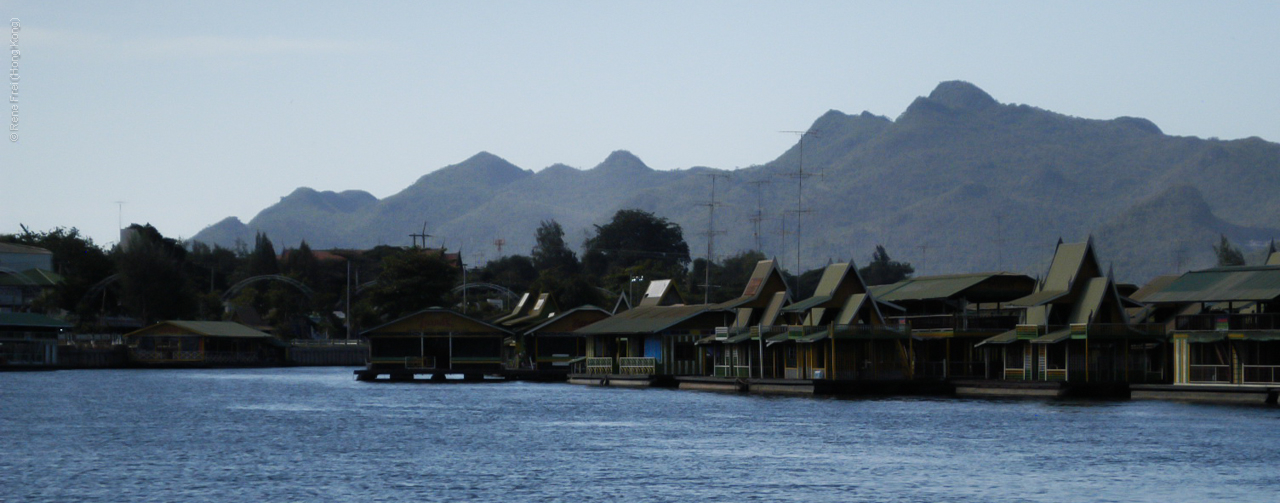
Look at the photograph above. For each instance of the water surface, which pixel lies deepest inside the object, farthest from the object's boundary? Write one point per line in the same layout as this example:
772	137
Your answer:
314	434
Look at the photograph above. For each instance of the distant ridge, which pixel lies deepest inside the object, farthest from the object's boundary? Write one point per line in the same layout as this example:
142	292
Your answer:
959	182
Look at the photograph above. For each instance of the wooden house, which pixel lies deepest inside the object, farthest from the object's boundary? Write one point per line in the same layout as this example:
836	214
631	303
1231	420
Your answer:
949	315
840	333
435	341
29	339
1075	327
656	337
735	350
555	343
1227	327
203	343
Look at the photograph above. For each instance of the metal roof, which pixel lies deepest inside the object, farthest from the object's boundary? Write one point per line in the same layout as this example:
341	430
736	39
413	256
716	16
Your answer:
566	314
31	320
31	277
23	249
936	287
765	280
436	310
1155	285
648	319
1222	284
207	329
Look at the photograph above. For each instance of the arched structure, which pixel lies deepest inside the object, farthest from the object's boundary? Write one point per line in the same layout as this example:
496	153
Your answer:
506	292
236	288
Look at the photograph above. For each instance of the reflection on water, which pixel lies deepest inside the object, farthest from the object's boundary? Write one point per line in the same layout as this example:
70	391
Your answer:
316	435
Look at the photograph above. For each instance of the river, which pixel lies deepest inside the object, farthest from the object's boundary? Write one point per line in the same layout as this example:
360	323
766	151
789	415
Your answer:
314	434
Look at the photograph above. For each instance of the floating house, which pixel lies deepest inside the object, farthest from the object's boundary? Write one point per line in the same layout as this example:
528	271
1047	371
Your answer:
1076	328
736	350
656	338
949	315
203	343
436	341
841	333
1227	330
29	339
555	343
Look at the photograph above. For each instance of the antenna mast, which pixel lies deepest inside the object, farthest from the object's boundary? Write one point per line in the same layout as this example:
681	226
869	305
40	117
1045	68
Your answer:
800	175
711	235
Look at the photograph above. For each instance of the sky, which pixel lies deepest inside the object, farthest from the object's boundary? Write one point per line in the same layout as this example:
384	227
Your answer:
180	114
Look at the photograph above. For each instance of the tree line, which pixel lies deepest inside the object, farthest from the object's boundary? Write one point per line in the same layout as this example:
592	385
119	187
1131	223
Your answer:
301	293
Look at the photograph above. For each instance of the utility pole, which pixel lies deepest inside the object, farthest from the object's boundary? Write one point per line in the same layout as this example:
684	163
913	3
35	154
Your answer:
422	235
800	175
711	235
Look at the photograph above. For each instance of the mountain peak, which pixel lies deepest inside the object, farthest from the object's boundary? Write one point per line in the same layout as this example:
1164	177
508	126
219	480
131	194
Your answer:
483	168
961	95
622	161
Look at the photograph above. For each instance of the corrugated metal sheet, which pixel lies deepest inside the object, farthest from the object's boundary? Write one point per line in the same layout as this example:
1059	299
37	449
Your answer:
208	329
1223	284
1053	337
1037	299
646	319
1004	338
1095	292
929	287
1067	260
31	320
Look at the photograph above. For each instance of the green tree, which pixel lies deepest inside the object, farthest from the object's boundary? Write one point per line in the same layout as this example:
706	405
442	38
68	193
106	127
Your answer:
410	281
551	254
728	278
882	270
516	272
262	260
153	285
1227	254
636	242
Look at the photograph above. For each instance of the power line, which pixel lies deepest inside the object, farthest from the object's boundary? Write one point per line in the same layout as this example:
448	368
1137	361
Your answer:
758	217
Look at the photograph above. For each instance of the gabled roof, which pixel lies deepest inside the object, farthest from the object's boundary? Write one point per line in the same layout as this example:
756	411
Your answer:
833	288
587	312
1070	261
661	292
519	310
543	307
1222	284
203	328
766	279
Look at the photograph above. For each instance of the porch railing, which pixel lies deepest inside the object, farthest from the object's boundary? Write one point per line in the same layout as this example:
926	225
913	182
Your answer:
1260	373
961	322
600	365
637	365
1226	321
1210	373
731	371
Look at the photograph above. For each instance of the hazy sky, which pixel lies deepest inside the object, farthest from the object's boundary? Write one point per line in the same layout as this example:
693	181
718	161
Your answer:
192	113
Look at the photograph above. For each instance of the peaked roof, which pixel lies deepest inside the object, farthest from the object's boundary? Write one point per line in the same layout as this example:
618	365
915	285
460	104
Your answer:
543	307
577	311
1222	284
1070	261
661	292
766	280
517	311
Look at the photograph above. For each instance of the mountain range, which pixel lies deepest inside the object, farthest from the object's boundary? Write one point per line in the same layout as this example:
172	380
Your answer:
959	182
